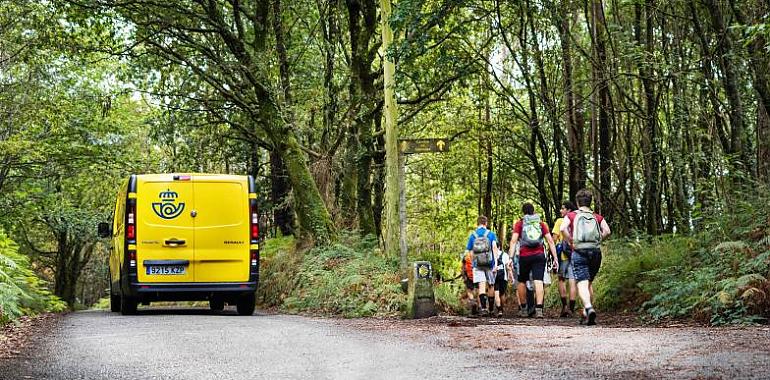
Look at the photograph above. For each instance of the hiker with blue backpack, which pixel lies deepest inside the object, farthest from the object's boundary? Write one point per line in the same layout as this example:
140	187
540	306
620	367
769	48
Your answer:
483	247
532	233
584	231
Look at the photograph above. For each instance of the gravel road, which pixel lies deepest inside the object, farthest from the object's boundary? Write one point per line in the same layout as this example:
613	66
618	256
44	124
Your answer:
198	344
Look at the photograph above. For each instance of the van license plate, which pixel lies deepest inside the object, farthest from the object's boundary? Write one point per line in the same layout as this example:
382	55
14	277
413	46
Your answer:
165	269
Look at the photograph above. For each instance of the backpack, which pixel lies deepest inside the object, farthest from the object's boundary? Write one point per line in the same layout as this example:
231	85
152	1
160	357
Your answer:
482	251
586	233
531	231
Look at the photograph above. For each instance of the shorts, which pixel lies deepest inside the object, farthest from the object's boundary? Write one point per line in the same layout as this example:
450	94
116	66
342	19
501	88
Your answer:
470	285
586	264
566	271
501	282
531	264
483	275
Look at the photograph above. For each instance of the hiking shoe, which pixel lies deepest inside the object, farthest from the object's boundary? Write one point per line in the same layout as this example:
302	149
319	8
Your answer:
591	318
484	313
564	313
539	314
523	313
499	314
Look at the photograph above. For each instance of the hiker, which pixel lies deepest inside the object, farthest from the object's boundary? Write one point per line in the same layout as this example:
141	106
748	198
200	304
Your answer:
584	231
482	244
565	264
529	305
533	233
503	276
466	270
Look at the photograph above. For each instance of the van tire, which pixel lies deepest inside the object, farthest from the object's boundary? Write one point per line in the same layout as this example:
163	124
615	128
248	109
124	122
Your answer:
216	304
114	303
246	304
128	305
114	300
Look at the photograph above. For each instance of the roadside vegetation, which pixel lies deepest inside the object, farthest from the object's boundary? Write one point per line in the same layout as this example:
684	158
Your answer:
21	290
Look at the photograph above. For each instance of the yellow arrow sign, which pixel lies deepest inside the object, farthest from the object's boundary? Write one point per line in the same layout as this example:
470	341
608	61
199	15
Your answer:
412	146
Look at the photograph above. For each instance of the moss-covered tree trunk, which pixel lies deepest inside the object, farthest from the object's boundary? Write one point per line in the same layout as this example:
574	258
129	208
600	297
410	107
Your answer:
314	219
391	136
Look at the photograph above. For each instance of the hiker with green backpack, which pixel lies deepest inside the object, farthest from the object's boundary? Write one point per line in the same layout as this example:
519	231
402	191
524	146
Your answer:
483	248
584	231
532	233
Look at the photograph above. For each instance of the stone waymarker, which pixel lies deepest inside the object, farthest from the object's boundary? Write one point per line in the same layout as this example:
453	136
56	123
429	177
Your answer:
421	302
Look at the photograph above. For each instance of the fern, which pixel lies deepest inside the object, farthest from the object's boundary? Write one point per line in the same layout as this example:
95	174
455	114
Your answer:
21	291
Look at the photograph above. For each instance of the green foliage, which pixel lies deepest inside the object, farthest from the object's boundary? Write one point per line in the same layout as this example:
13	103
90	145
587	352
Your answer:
704	277
352	280
21	291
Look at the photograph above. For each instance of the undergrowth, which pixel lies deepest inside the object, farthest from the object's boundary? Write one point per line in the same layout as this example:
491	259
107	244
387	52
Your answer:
350	278
719	274
21	291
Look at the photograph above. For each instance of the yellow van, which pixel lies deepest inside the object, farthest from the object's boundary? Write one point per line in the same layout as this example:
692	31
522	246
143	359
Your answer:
184	237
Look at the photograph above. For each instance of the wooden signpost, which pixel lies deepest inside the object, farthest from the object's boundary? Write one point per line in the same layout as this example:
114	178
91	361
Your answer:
413	146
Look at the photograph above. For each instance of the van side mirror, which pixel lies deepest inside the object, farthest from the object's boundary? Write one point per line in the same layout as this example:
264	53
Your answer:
104	230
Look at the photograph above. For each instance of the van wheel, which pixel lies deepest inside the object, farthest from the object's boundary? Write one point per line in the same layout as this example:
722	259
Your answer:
246	304
128	305
217	304
114	300
114	303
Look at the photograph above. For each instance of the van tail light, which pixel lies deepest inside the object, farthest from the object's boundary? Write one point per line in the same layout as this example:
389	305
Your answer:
131	222
254	219
254	258
132	259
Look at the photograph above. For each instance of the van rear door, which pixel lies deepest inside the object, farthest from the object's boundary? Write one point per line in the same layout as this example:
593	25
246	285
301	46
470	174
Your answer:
221	228
165	230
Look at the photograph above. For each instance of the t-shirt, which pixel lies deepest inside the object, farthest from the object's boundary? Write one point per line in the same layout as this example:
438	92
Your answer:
480	232
567	227
468	264
506	259
525	251
556	229
557	239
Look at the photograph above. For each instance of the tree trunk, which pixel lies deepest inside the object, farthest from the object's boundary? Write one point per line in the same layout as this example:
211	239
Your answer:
283	212
362	27
391	144
650	145
725	51
313	216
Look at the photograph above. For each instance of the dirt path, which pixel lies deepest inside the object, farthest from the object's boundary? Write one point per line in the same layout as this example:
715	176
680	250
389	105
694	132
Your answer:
558	348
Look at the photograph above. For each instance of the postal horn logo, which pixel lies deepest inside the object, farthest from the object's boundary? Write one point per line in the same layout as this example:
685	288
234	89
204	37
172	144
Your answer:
168	208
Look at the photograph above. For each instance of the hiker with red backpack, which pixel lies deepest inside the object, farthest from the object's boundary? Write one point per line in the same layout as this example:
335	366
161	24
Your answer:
584	231
466	270
483	247
532	233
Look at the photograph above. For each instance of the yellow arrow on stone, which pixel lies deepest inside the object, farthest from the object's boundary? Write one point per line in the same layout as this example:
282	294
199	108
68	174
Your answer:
440	144
404	146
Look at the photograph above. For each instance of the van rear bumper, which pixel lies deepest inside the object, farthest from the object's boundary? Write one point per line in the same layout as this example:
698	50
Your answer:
199	287
229	292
